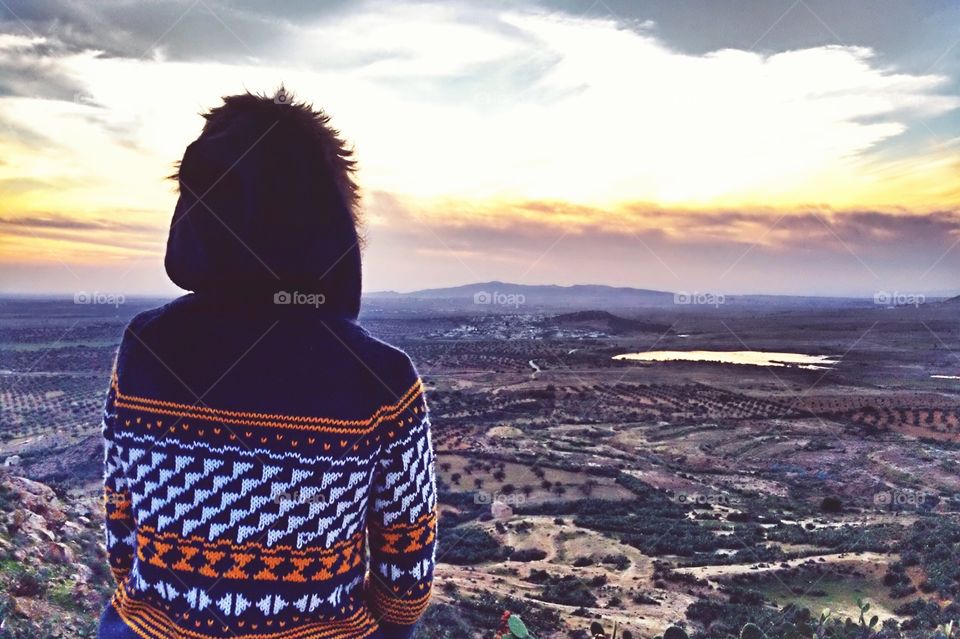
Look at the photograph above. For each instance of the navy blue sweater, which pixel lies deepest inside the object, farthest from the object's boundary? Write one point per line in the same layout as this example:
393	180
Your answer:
254	454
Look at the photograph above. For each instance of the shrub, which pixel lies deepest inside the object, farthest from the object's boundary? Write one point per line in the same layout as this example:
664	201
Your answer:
528	554
472	545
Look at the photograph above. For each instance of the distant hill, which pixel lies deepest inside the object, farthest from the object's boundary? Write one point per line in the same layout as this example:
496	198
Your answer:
497	294
504	296
605	322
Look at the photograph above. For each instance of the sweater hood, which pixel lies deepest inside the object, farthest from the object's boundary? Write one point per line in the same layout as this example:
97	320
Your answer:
257	220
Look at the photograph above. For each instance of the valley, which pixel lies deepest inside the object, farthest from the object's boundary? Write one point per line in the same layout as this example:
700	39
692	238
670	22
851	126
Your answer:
577	487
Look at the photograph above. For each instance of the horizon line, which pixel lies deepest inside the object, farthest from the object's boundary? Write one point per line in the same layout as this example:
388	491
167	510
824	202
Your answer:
943	295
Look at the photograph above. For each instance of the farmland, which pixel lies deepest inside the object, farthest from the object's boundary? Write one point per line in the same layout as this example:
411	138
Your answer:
576	487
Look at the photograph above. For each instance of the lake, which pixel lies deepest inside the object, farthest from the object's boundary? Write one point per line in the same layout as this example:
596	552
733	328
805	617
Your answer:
753	358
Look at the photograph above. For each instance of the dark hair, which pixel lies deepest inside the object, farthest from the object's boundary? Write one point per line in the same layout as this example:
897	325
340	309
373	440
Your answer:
303	132
267	202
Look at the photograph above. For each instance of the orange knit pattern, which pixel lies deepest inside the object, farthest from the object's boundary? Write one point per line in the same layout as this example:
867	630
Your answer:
394	609
269	420
251	560
150	623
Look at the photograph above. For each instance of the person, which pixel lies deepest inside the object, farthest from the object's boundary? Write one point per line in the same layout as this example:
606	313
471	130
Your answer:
268	464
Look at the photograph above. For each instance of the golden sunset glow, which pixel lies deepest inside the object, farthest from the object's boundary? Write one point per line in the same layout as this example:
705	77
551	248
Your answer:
470	119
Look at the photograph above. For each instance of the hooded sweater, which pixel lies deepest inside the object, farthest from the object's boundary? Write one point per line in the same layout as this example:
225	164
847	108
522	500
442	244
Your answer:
268	465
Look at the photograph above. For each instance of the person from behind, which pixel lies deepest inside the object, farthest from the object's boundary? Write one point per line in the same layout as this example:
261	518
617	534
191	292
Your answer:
268	464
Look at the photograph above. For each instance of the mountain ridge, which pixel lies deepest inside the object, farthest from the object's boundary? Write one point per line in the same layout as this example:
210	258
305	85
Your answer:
496	286
499	293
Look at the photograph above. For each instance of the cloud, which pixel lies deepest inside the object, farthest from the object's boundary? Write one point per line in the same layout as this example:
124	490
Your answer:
177	30
818	251
52	237
478	101
29	66
66	223
496	130
773	229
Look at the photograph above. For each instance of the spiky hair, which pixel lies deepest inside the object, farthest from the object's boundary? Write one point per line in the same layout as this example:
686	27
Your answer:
312	133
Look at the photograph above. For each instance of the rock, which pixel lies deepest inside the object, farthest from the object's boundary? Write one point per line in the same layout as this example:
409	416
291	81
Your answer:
83	574
12	460
27	608
30	524
44	535
37	498
60	553
71	530
30	491
87	597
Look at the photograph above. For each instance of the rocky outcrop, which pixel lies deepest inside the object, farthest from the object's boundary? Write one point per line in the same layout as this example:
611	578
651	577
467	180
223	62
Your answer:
39	506
55	569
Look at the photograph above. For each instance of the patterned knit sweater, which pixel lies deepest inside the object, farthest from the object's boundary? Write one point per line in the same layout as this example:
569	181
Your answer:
268	478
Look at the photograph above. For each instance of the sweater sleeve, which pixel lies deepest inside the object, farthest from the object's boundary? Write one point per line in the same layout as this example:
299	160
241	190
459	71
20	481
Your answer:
119	523
402	522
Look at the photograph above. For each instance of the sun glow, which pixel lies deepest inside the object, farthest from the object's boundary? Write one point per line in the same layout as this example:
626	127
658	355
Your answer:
490	118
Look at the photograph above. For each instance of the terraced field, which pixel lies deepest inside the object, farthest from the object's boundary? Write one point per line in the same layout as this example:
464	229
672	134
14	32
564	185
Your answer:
647	494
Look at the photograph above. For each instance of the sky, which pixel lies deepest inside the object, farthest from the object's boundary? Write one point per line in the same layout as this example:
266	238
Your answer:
788	147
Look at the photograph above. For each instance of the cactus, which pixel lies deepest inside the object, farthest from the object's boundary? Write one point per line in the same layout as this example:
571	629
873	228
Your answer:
864	609
597	631
512	627
517	627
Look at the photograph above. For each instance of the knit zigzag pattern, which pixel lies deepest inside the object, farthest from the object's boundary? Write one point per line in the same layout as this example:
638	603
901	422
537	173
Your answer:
226	523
